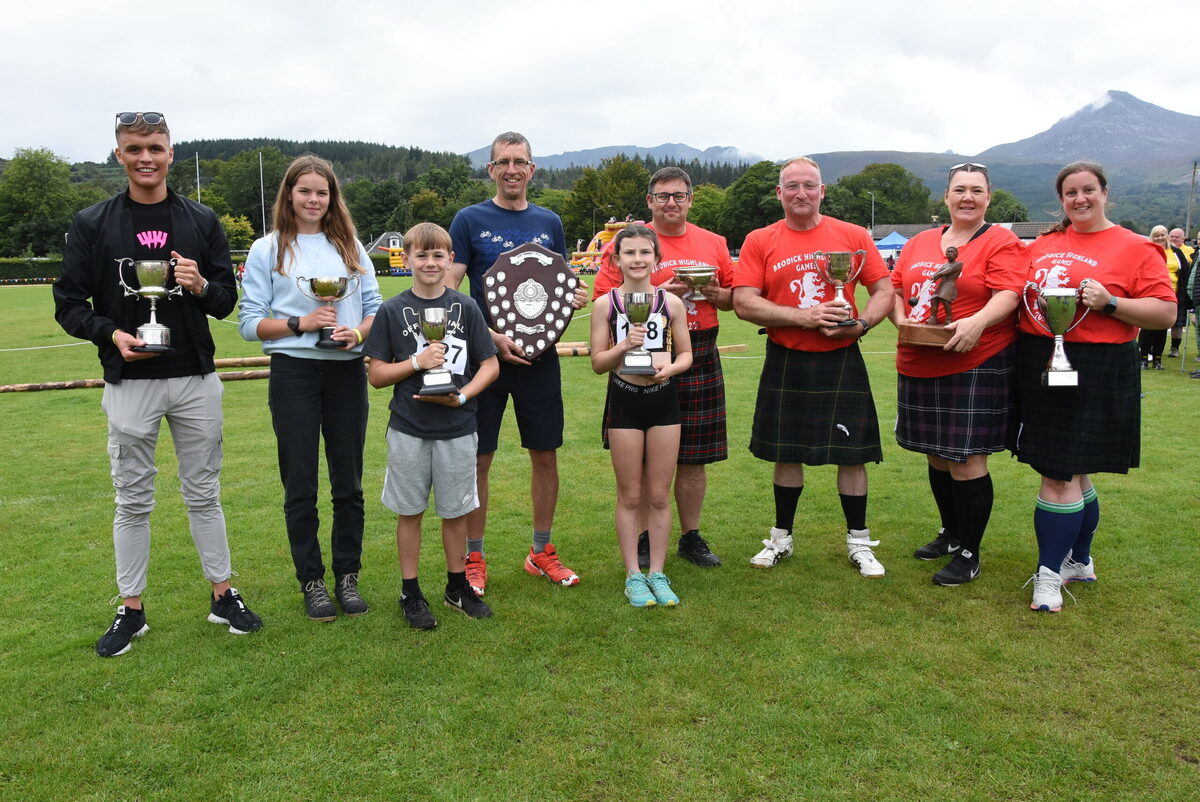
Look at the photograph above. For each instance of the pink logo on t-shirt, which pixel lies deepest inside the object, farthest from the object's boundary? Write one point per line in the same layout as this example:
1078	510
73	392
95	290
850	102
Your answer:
152	239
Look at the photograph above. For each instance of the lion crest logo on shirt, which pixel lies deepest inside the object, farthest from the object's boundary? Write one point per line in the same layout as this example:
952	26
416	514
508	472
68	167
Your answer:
809	289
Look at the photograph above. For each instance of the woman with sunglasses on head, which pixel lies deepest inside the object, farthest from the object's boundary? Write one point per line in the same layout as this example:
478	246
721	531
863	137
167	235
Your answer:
1067	433
954	400
315	390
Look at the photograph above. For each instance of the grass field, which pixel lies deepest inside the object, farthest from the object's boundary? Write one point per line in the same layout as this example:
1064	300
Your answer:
803	682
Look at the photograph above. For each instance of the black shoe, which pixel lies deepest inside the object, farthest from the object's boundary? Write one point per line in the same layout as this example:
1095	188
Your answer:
644	550
1195	374
466	602
694	549
1145	364
1158	364
317	602
128	624
347	594
416	612
940	546
961	569
233	612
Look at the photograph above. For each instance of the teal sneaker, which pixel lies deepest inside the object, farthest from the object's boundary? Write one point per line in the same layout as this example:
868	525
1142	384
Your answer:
660	586
637	590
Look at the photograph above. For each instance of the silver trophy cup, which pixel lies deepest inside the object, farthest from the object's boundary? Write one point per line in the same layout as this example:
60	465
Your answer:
638	361
437	381
152	276
839	268
327	290
696	277
1058	306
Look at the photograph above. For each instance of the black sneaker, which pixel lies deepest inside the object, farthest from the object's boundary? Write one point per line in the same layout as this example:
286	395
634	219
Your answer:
694	549
961	569
128	624
940	546
347	594
466	602
317	603
416	612
644	550
233	612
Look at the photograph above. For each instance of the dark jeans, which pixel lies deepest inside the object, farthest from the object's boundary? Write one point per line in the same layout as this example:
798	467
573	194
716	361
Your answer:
1152	342
311	398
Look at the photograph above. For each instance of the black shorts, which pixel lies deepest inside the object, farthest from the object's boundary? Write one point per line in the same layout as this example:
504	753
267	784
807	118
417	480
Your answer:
536	392
636	406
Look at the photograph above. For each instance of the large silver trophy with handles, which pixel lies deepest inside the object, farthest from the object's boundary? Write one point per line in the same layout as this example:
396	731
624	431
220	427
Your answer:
152	276
1058	306
839	268
695	277
638	361
436	381
327	290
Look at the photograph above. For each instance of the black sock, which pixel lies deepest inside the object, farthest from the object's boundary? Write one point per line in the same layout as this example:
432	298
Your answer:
786	499
855	510
1175	341
942	486
973	508
691	533
456	581
410	587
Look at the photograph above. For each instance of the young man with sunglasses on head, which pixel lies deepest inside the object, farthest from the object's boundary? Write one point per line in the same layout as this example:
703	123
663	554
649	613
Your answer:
148	221
481	233
702	387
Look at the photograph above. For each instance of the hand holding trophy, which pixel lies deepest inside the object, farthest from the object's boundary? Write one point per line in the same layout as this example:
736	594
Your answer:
638	361
327	290
840	268
435	381
152	280
1058	306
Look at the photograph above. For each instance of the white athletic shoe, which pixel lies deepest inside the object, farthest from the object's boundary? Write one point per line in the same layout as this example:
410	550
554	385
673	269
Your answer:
1072	571
1047	591
778	546
858	548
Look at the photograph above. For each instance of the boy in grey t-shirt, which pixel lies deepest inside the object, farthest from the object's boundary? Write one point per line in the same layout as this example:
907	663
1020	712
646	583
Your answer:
431	438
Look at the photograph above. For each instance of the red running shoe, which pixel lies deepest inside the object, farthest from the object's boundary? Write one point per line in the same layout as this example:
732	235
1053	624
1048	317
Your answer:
547	564
477	573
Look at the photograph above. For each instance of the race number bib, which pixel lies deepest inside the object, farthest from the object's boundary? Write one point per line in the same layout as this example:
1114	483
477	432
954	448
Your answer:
656	334
456	352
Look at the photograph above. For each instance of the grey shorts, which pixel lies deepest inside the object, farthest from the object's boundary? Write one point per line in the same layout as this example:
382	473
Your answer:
416	466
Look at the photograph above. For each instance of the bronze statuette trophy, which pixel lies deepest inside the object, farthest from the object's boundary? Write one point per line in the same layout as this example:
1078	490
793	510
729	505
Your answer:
945	290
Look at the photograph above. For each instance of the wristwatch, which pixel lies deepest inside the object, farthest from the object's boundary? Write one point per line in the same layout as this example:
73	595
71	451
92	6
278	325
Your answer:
203	290
293	323
1110	308
866	326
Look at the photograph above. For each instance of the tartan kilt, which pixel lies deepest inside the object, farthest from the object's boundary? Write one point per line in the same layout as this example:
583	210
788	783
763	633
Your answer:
703	437
815	408
1094	427
958	415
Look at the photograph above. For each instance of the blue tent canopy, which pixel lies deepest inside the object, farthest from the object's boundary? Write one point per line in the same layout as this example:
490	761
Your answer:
892	242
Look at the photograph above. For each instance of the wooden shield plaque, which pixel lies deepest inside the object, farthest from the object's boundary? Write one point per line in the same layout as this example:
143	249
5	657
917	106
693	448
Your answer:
528	293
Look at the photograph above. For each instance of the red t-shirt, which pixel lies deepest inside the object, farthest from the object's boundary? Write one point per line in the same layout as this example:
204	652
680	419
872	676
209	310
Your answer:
696	246
780	262
1127	264
995	260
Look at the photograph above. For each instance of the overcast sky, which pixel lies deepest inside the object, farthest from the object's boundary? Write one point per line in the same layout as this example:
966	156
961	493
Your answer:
772	78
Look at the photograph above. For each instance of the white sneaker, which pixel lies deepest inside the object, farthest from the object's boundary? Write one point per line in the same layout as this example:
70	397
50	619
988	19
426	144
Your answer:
1047	590
1072	571
776	548
858	548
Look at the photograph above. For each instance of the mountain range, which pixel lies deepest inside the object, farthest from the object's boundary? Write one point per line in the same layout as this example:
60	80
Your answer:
592	157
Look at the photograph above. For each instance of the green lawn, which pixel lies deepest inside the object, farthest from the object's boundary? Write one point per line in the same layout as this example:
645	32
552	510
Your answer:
803	682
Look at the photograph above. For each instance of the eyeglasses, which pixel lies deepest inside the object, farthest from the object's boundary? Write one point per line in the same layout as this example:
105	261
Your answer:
969	167
504	164
663	197
148	117
807	186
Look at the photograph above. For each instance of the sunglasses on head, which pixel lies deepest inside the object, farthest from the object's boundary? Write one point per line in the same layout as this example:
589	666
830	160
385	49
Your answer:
148	117
969	167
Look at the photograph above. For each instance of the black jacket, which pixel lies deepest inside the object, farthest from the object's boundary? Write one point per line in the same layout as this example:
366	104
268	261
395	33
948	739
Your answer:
89	302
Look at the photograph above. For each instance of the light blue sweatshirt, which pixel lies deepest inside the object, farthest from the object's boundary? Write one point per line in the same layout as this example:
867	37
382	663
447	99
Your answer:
266	293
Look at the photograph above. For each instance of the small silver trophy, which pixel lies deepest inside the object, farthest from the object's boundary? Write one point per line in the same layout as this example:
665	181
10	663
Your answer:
327	290
1058	306
638	361
152	275
840	268
696	277
436	381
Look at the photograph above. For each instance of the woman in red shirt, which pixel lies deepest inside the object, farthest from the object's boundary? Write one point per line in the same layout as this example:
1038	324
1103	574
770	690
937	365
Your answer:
954	402
1068	433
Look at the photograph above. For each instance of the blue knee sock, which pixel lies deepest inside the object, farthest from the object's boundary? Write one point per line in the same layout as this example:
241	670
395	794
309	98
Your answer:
1081	552
1057	526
